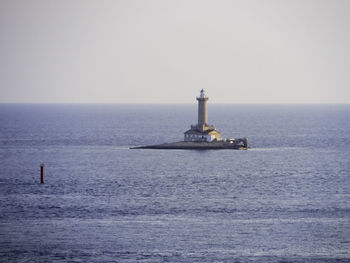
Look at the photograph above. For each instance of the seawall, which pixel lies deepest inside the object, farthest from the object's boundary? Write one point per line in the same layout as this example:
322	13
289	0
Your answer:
194	146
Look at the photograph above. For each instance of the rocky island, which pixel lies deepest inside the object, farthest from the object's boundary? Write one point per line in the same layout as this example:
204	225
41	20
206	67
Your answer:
202	135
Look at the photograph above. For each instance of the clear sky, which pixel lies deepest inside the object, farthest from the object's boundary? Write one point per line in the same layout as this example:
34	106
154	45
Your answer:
161	51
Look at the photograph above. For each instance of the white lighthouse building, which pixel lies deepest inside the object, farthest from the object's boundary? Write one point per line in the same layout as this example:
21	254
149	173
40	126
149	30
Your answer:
202	131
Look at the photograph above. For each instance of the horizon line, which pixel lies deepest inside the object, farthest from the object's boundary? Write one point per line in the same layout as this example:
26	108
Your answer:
182	103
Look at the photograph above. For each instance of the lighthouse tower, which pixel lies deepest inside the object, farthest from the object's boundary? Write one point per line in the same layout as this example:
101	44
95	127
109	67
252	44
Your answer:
202	131
202	111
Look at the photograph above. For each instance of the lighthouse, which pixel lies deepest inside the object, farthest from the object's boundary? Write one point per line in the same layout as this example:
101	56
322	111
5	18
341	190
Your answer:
202	111
202	136
202	131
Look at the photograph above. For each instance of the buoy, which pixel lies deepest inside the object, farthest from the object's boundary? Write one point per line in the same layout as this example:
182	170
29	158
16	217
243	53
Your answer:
42	166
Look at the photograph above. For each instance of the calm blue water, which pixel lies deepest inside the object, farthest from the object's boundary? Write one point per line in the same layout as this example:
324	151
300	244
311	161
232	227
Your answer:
287	199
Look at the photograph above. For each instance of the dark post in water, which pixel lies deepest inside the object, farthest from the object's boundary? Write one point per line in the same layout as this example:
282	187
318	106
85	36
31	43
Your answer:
42	166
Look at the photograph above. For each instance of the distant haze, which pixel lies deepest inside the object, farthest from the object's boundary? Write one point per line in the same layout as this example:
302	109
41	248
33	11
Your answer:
160	51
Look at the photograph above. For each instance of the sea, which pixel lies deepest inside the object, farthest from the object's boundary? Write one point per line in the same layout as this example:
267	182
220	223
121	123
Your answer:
285	199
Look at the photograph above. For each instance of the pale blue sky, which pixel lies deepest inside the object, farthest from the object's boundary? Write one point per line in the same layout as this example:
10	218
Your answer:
159	51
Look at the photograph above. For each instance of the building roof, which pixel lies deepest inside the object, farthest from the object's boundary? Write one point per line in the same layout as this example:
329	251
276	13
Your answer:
207	132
